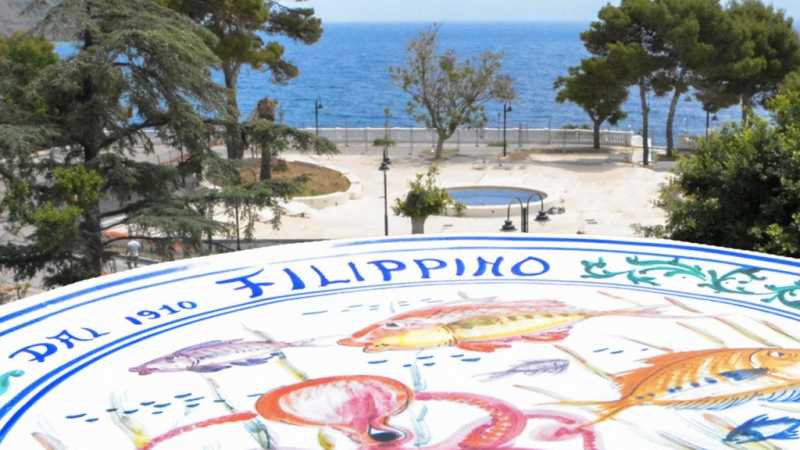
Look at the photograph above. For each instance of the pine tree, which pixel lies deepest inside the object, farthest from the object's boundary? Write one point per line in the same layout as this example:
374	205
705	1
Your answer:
239	26
73	132
623	34
597	87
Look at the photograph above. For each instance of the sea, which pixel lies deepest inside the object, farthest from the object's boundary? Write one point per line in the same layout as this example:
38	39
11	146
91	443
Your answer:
347	70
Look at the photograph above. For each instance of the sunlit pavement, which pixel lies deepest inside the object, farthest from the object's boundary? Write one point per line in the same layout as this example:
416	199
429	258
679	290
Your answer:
600	193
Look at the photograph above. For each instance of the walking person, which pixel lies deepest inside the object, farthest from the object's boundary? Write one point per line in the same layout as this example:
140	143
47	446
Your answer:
134	248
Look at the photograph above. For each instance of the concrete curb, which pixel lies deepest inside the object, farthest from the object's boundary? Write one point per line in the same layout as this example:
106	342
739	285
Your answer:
355	191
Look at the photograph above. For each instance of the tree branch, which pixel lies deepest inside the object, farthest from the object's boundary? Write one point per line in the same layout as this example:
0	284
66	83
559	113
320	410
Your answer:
131	130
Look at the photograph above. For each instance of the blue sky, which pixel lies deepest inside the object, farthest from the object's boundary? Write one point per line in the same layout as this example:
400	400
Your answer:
474	10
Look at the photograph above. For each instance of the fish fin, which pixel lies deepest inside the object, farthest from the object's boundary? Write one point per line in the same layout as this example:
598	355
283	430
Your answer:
628	381
714	403
785	435
604	409
558	334
786	395
653	312
206	344
542	304
641	311
491	376
744	374
483	347
209	369
467	309
250	362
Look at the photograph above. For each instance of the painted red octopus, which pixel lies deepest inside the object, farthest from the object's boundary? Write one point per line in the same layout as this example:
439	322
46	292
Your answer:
360	406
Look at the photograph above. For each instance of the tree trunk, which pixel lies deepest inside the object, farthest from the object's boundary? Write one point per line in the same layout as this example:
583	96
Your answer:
208	211
645	123
90	227
266	164
596	134
439	146
233	130
238	229
673	107
418	225
747	108
91	230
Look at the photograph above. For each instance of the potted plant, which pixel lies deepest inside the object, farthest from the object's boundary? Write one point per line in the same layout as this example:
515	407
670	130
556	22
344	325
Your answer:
425	199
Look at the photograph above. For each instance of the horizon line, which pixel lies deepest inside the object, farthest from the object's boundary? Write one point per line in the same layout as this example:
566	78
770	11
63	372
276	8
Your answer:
460	21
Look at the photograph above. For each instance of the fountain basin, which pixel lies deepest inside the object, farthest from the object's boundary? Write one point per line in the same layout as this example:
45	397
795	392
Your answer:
493	201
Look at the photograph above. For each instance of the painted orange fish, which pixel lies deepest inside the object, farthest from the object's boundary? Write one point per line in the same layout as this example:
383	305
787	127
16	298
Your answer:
707	379
480	327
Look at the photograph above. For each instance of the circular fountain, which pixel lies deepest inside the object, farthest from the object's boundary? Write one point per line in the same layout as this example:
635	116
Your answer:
490	201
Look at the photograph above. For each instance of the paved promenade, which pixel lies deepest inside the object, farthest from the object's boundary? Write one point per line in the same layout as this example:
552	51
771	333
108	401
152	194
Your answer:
599	191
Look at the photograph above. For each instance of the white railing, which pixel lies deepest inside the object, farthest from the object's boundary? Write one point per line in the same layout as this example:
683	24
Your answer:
519	137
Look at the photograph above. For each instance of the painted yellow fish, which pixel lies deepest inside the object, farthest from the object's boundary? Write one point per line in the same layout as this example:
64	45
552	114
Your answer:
707	379
480	327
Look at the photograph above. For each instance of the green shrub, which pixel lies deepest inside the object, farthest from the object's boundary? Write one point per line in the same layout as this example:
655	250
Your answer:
425	199
572	126
381	142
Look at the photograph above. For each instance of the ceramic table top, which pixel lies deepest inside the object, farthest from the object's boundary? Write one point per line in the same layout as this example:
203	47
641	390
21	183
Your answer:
429	342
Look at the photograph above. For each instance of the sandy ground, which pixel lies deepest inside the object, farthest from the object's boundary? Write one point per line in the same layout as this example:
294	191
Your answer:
601	194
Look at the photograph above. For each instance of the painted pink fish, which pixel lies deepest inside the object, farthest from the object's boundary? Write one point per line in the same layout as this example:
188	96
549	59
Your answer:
214	356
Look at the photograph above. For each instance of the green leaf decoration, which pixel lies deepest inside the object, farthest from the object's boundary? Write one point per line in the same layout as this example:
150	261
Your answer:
655	272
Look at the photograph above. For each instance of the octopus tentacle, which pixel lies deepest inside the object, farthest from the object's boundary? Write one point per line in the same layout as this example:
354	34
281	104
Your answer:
230	418
505	422
575	426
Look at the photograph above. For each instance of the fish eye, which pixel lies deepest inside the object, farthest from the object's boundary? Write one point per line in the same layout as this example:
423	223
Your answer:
776	354
392	325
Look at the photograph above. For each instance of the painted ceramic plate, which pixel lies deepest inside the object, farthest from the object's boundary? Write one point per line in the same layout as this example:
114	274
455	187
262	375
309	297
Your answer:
474	342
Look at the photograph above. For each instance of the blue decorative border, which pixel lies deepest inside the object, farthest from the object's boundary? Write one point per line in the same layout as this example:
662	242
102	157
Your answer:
95	288
691	247
112	295
138	277
101	352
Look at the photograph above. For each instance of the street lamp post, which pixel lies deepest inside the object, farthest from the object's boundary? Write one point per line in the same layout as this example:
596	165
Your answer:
542	215
385	163
506	109
709	119
524	210
317	107
508	225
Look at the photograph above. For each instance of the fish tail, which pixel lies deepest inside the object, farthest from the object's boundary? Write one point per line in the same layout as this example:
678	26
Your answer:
603	409
607	412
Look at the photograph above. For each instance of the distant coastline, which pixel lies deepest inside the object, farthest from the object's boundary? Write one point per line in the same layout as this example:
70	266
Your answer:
347	70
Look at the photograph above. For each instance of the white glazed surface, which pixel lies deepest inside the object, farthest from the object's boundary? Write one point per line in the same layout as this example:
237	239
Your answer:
282	316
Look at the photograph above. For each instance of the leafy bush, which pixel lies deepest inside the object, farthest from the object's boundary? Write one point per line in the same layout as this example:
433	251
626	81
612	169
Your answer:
381	142
741	188
425	198
572	126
